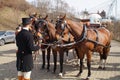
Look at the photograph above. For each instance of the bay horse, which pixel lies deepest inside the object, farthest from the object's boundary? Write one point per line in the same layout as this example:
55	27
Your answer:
47	31
87	41
46	27
38	38
33	30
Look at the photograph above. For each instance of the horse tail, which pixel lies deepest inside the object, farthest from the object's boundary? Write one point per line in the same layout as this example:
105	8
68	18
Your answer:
106	50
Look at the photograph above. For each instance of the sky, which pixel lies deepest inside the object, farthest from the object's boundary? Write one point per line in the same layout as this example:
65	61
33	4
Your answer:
82	4
92	5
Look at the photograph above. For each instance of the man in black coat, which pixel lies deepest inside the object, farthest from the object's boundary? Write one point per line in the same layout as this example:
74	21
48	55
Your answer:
24	42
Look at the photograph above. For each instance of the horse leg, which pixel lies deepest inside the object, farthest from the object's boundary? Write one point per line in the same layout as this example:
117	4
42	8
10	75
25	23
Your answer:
61	56
48	58
43	58
104	65
81	68
67	56
89	54
101	61
55	60
81	56
105	55
76	56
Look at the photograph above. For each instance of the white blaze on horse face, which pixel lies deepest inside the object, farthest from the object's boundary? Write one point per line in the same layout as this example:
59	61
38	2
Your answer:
62	25
65	21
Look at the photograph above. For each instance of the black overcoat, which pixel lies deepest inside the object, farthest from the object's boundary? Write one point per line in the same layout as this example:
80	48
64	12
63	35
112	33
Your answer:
24	42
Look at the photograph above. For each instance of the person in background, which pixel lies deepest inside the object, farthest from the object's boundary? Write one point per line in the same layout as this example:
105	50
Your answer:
24	42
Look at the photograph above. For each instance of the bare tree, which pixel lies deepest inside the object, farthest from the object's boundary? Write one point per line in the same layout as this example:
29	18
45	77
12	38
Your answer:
84	13
43	6
53	7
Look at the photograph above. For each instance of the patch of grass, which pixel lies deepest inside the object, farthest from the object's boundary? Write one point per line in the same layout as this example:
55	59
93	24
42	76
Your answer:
10	18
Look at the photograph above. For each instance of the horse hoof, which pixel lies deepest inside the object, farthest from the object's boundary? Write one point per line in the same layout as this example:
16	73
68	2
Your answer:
67	61
87	79
104	68
78	75
77	64
99	67
60	75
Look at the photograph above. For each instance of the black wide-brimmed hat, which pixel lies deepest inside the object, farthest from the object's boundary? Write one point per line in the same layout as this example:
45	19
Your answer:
26	21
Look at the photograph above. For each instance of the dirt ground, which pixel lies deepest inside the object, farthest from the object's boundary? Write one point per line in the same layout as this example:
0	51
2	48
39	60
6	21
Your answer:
8	66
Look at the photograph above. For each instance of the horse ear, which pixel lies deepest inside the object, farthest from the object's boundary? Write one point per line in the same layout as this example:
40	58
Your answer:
64	16
46	17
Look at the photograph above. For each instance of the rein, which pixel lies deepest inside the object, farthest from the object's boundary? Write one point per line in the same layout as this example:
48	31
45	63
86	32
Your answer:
55	44
51	44
82	38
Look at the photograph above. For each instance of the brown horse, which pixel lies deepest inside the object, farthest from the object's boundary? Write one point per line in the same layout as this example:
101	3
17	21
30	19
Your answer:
46	27
33	30
87	41
38	38
47	31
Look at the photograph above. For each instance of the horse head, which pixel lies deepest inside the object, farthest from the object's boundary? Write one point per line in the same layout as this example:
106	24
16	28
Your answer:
42	27
61	25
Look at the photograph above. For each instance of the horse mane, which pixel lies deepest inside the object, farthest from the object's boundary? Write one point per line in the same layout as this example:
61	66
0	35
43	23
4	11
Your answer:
77	27
74	22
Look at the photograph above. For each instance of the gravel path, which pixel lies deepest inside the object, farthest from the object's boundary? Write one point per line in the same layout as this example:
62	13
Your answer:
8	66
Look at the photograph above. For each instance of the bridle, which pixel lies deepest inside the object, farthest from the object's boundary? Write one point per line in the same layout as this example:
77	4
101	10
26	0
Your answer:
43	24
62	24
